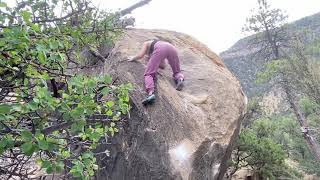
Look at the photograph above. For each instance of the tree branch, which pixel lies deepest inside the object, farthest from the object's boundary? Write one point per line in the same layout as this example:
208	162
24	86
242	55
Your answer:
64	125
133	7
61	18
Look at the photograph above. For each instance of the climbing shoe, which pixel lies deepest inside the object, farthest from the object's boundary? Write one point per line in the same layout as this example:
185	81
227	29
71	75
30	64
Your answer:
179	83
150	99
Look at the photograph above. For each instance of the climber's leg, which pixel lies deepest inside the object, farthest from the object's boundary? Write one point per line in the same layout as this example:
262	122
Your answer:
163	64
151	70
174	62
149	83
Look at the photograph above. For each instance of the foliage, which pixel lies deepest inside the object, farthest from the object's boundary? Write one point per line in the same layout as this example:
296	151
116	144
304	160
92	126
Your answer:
268	26
256	150
311	110
47	114
253	111
301	71
292	62
272	69
265	145
264	17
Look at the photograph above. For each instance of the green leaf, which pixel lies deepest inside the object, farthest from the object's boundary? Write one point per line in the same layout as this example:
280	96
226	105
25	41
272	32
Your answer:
112	124
45	76
43	92
77	169
64	106
61	56
3	143
75	173
47	165
111	131
26	15
40	47
91	172
77	81
100	130
25	82
17	107
65	154
49	169
35	27
43	144
33	105
26	136
39	135
91	83
95	137
52	143
59	166
105	91
53	44
36	100
109	112
78	111
78	126
87	155
3	117
28	148
110	104
42	57
10	142
108	79
4	109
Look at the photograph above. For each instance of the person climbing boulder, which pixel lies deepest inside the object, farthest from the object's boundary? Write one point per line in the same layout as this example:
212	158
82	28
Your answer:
157	52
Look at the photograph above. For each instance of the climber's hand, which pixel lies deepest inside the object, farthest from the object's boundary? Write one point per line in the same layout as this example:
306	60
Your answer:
131	58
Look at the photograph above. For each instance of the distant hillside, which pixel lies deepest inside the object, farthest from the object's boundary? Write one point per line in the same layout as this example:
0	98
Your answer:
239	58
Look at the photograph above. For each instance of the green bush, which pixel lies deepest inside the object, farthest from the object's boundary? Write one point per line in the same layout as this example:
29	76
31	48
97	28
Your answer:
47	114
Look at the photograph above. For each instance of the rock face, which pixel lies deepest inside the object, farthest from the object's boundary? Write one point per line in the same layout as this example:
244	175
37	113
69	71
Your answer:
183	135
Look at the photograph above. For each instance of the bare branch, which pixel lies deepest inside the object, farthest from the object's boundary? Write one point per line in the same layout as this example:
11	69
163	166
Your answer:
133	7
61	18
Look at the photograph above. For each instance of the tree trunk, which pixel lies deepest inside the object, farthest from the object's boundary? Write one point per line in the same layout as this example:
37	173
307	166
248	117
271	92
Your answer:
274	47
312	142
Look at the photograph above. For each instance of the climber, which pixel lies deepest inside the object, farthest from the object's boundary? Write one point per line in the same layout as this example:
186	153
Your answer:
157	51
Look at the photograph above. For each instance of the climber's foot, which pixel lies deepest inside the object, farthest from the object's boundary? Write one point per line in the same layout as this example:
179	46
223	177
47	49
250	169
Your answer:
179	84
150	99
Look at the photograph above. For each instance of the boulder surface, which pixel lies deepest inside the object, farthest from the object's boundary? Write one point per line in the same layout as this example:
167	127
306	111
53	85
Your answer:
185	134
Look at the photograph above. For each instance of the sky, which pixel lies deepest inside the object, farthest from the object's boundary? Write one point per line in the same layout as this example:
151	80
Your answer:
216	23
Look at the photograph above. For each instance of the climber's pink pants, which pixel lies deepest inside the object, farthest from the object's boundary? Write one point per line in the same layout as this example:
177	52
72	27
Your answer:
162	50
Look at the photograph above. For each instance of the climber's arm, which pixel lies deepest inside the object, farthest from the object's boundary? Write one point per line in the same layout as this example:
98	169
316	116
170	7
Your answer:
142	52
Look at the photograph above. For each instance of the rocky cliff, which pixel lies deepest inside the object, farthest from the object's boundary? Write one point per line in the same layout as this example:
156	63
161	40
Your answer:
241	61
183	135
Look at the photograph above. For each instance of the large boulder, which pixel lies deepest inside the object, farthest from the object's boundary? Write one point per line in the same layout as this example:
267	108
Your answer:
183	135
